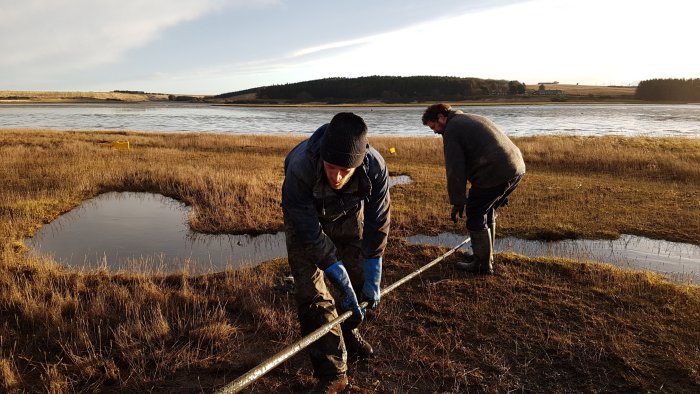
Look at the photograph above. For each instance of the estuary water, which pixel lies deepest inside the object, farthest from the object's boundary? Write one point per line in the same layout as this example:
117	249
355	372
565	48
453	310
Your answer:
515	120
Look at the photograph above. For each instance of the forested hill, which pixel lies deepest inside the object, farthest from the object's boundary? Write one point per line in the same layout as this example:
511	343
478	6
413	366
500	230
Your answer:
684	90
383	88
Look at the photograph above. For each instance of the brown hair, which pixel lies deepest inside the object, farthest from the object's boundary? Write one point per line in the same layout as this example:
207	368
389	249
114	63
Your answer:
432	112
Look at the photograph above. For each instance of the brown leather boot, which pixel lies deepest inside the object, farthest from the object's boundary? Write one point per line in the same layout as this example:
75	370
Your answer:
356	345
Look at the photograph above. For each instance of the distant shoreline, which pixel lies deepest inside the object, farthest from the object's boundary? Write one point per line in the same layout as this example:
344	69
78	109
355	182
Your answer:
470	103
551	94
568	94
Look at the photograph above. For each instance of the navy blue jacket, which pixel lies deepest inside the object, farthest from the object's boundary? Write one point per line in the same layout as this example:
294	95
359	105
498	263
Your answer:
308	200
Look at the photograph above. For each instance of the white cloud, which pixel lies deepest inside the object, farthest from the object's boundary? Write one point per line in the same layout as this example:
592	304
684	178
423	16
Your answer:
76	34
332	45
597	41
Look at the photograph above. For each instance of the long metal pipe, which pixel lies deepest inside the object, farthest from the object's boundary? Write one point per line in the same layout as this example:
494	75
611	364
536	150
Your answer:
249	377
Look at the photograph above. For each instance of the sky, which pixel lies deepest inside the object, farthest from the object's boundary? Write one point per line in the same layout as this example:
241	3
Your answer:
219	46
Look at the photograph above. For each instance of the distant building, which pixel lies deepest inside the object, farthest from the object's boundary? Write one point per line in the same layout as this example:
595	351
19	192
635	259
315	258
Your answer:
548	83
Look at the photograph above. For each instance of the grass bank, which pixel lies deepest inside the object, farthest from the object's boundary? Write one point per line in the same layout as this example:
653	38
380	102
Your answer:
540	324
26	96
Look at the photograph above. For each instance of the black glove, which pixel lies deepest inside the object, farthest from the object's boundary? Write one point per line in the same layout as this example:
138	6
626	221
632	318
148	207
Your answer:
457	209
504	203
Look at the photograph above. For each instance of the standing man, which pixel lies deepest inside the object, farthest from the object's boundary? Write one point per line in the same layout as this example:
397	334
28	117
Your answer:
478	152
335	200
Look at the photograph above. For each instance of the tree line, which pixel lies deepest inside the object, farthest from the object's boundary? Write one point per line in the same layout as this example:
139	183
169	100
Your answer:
669	90
385	88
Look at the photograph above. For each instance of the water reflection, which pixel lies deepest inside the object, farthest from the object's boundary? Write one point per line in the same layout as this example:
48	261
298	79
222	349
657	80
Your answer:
678	261
146	232
400	180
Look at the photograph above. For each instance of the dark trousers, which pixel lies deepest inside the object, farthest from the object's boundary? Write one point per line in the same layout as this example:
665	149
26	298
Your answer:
483	202
315	305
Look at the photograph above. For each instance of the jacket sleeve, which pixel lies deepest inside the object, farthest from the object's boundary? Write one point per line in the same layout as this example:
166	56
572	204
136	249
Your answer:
377	211
302	224
456	168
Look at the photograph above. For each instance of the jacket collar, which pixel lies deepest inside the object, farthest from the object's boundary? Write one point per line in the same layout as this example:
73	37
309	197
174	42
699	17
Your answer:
452	114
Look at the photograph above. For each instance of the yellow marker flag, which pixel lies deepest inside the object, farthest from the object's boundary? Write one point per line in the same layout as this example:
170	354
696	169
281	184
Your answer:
121	145
392	150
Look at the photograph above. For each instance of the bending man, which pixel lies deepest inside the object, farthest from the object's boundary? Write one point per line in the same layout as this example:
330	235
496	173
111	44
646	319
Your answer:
478	152
335	200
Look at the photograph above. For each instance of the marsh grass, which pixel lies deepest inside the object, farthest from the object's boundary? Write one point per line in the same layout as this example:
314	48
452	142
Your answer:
544	325
48	96
575	186
540	324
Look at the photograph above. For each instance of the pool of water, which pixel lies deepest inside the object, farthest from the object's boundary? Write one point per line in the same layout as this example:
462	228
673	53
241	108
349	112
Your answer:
143	232
678	261
147	232
400	180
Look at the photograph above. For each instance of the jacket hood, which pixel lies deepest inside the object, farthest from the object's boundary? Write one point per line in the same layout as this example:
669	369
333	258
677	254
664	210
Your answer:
313	147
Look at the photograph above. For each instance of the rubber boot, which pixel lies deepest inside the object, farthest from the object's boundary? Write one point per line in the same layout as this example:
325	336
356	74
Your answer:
482	262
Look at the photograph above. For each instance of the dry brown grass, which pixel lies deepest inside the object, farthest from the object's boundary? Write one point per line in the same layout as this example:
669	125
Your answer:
575	186
232	184
9	378
584	90
86	332
15	96
539	325
542	325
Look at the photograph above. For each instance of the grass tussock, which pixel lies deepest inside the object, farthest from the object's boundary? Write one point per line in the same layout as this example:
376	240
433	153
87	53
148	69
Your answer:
87	332
539	325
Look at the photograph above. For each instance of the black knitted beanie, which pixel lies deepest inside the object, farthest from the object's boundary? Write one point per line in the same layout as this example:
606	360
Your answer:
344	143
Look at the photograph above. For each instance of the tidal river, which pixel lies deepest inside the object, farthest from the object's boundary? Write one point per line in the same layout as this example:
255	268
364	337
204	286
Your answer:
515	120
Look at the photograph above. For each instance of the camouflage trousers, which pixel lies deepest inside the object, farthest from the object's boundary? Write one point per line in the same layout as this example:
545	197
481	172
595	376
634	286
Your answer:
316	306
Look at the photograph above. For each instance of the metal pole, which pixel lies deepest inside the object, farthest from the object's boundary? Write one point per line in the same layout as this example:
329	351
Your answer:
249	377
